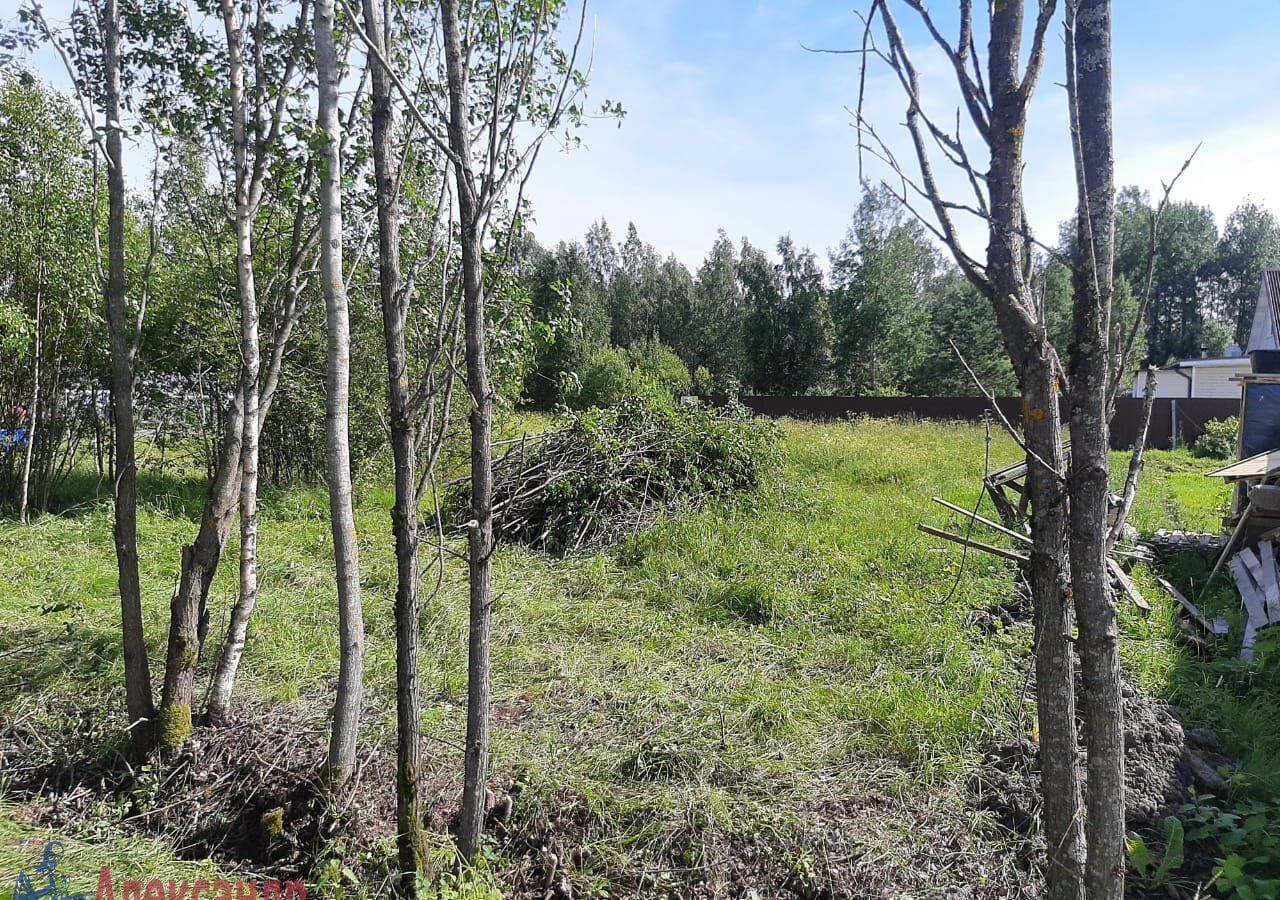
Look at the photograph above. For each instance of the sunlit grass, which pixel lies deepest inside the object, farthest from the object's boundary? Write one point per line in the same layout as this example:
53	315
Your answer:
801	641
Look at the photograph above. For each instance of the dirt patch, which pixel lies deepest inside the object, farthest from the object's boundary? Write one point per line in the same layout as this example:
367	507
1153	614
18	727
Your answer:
247	796
1164	763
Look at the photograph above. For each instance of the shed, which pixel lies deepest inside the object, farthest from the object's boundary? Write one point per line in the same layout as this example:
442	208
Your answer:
1200	377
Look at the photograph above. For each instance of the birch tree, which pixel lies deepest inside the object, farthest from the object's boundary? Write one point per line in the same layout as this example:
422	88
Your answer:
527	81
258	111
526	88
418	404
347	704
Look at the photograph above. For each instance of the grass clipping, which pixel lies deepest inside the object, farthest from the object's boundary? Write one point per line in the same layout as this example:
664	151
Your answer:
603	473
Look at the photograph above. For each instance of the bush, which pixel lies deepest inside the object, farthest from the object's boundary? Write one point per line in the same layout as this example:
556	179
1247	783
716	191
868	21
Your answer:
647	369
658	368
704	384
1220	439
606	472
606	379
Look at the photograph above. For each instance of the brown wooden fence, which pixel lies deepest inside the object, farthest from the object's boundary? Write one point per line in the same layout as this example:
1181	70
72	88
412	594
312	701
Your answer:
1173	421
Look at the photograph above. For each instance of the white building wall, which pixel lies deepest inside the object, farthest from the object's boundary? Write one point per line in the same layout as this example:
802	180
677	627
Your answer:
1195	381
1215	381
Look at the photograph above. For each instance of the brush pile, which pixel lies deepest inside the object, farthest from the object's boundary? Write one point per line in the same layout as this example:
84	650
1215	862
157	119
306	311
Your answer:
604	473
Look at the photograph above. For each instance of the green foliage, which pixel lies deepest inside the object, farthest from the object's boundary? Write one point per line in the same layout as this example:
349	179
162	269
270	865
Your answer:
658	369
788	323
882	277
1158	872
703	382
1220	439
606	378
1244	838
962	316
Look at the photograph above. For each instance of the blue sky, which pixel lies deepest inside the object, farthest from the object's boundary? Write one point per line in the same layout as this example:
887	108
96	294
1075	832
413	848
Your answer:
732	124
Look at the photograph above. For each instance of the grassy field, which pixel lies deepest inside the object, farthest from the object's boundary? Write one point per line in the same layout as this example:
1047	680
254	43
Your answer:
730	670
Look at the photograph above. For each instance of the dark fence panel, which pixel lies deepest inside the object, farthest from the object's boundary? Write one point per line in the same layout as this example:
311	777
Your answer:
1172	420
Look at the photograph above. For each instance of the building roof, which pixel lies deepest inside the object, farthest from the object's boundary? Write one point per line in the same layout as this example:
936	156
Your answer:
1198	361
1264	333
1271	277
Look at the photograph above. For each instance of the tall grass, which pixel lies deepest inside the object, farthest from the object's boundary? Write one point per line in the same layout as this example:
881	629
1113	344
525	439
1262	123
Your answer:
797	643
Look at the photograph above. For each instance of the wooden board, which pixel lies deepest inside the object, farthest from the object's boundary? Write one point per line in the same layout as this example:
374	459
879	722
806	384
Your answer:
1249	592
1259	466
976	545
969	514
1217	626
1126	585
1254	565
1270	586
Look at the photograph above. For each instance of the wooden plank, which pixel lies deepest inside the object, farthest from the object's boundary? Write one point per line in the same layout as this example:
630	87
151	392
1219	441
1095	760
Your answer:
976	545
1249	592
969	514
1251	562
1126	585
1226	550
1257	466
1217	626
1270	586
1250	636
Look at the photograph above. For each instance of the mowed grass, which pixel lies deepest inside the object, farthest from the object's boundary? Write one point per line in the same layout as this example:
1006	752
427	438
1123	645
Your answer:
731	663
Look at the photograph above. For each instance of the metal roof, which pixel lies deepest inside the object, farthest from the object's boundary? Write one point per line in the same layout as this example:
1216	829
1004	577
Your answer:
1271	278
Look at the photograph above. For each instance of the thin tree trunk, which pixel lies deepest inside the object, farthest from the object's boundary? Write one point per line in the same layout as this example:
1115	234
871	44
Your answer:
1033	357
237	628
411	841
188	609
33	414
480	528
1055	682
138	698
346	712
1089	76
1130	490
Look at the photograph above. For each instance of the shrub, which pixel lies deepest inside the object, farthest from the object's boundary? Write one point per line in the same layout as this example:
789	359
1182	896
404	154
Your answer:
606	472
1220	439
606	379
648	369
658	368
703	382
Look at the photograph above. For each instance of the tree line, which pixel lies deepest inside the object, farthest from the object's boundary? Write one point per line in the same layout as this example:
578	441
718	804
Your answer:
879	318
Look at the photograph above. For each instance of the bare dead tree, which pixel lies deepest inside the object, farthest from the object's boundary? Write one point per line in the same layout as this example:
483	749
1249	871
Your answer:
996	102
1129	492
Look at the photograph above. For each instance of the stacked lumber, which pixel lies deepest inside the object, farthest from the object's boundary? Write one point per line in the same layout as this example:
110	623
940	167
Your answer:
1259	584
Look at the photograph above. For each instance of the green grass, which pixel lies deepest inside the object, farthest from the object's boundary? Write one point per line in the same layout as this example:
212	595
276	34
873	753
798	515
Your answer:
722	667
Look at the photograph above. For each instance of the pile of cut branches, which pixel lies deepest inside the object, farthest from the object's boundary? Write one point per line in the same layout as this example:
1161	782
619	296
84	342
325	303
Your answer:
603	473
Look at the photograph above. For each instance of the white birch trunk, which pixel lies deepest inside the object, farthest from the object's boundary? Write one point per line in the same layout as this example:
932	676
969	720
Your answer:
347	705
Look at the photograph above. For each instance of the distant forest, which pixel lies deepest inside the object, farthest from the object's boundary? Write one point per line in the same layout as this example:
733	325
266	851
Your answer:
882	316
